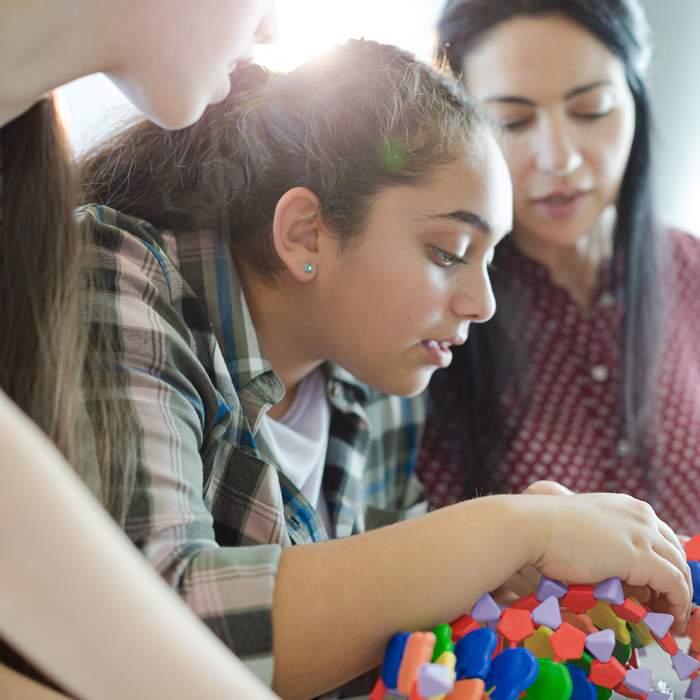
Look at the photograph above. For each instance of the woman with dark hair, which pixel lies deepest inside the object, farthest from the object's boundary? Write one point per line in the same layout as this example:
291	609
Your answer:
75	596
587	374
282	279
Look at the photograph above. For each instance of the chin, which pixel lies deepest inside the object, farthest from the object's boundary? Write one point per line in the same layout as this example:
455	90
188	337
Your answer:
406	386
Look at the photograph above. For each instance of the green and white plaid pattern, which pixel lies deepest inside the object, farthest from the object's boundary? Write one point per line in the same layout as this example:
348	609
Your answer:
208	511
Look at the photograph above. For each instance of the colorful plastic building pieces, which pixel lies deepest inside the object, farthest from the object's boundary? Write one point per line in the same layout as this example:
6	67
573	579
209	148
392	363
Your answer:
548	635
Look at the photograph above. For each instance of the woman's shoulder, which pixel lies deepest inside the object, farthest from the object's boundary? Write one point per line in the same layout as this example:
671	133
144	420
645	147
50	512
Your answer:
683	250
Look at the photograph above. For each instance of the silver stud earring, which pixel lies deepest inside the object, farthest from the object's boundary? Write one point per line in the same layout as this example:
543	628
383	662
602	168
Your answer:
308	268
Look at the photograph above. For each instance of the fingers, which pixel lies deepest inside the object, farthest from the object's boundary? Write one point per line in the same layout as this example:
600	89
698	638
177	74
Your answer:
548	488
671	536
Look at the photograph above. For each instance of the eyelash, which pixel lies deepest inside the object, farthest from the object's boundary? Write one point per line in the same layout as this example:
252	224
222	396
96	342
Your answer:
447	259
589	117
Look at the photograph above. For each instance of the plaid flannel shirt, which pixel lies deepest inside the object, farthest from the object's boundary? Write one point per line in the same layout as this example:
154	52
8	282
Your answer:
209	512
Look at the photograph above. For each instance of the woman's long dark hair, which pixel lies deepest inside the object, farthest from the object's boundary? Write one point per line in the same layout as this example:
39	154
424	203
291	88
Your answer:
493	359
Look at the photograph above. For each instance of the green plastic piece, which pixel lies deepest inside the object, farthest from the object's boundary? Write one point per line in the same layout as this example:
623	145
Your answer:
584	662
553	682
603	693
640	636
634	639
443	641
622	652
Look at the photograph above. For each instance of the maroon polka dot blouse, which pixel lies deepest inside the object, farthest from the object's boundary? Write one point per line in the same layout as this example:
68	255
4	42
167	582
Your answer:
567	429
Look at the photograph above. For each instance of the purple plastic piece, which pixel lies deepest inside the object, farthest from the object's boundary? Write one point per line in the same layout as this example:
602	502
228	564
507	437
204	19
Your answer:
658	623
549	587
395	693
601	645
656	695
641	653
547	613
638	680
492	624
434	679
693	689
486	609
685	665
610	591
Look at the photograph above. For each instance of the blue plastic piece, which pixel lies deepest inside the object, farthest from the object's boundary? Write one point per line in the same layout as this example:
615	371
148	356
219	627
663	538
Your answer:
583	689
695	574
474	652
512	671
392	659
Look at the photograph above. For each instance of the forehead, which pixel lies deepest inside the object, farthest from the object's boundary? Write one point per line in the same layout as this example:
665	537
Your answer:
540	58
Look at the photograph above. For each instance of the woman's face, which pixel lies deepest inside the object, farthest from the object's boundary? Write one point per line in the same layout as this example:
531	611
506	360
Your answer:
179	58
567	108
390	306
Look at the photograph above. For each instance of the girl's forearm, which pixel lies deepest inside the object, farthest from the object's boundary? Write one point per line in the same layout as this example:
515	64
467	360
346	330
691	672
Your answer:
337	603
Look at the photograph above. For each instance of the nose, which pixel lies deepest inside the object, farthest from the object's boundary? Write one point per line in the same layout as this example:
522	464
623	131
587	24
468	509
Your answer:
268	31
556	152
474	301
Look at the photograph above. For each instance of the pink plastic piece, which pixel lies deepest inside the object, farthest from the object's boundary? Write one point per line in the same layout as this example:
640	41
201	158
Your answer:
548	587
486	609
685	665
638	680
547	613
601	645
693	689
658	623
610	591
434	679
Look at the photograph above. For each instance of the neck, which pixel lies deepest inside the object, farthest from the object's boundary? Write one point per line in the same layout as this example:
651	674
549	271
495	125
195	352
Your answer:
285	330
573	267
45	44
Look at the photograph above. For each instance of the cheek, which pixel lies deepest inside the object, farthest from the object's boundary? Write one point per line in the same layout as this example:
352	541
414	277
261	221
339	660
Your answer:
521	165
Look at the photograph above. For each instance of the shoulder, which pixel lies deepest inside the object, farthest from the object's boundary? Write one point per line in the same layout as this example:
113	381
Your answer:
682	250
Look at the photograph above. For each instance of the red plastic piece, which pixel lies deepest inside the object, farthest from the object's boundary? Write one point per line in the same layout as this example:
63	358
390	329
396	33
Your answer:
579	599
515	625
607	674
415	694
692	548
528	602
693	631
463	626
568	642
668	643
695	674
499	647
471	689
622	689
581	622
630	611
633	661
379	690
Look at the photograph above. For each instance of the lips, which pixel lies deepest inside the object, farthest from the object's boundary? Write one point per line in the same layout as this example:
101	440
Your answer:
439	350
561	204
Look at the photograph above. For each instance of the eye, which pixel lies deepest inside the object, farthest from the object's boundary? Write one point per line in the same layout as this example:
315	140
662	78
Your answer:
516	125
448	259
591	116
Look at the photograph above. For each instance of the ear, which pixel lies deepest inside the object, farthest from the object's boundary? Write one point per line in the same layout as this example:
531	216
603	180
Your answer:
296	230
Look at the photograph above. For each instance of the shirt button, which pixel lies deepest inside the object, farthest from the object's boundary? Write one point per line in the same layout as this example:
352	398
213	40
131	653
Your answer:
600	373
335	390
607	300
623	448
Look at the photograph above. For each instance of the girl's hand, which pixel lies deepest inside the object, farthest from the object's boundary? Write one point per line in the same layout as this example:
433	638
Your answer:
588	538
546	487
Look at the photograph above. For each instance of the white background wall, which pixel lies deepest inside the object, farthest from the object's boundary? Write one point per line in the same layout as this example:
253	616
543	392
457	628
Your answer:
309	26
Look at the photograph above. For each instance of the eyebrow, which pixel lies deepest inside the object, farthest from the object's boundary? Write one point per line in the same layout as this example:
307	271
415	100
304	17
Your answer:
466	217
569	95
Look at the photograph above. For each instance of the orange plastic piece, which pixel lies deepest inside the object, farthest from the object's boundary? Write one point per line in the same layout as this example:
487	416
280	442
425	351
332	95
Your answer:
579	599
668	643
471	689
630	610
567	642
499	647
418	651
379	690
692	548
515	625
693	631
462	626
580	622
528	602
623	690
607	674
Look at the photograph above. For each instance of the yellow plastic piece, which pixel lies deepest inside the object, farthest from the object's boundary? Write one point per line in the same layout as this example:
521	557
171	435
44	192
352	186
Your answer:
539	643
642	632
605	619
447	658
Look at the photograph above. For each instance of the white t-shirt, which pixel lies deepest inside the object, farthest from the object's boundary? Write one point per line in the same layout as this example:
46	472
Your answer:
299	441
